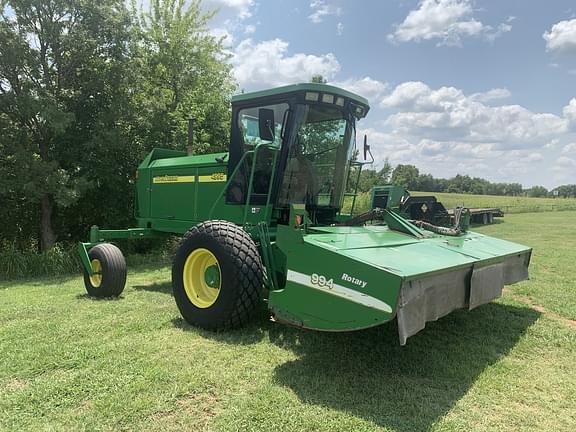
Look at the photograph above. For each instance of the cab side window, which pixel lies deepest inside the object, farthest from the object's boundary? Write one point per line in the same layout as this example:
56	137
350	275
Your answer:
247	122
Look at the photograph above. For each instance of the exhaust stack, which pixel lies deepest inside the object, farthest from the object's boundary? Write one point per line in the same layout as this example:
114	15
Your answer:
190	146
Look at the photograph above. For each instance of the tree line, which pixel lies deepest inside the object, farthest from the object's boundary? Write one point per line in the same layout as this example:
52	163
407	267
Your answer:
86	90
410	177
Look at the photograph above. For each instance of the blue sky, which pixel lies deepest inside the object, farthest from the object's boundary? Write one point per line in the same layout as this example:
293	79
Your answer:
485	88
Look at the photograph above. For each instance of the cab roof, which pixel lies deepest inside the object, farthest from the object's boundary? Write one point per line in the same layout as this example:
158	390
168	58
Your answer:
298	88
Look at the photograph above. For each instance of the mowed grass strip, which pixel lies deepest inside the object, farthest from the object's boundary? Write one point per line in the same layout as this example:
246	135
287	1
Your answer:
72	363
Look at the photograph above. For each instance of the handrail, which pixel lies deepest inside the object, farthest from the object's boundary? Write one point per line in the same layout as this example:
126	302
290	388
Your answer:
251	181
354	194
250	185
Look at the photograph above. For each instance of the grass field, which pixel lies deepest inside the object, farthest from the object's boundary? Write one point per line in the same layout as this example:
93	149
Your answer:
72	363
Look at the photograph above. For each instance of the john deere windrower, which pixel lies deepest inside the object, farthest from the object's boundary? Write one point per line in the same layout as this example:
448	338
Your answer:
265	222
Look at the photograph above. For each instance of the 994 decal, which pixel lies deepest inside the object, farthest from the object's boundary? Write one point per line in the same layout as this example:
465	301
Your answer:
321	281
327	285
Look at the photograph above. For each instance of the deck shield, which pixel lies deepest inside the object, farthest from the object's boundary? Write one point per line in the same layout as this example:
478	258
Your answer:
420	279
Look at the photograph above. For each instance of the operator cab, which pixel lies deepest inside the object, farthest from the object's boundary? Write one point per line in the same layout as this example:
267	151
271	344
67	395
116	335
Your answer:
303	139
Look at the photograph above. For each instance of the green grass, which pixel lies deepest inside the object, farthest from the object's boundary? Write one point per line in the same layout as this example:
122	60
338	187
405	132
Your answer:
72	363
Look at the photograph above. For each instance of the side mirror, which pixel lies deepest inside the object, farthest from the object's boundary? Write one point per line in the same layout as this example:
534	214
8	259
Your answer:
266	124
366	147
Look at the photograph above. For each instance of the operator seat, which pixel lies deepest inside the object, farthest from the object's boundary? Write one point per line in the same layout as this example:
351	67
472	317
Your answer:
300	185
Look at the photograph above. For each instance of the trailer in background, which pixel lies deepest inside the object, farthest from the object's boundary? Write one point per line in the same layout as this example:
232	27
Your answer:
481	215
427	208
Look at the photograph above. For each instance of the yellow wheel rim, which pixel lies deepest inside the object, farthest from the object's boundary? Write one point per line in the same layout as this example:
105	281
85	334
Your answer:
202	278
96	277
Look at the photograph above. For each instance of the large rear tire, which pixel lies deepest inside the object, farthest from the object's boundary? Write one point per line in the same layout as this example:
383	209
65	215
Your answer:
217	276
109	267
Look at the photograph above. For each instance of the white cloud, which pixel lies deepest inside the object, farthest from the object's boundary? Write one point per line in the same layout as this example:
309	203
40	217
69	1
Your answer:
566	162
447	114
569	112
322	9
340	28
534	157
230	19
249	29
385	145
224	34
500	30
569	148
444	131
367	87
447	20
267	63
241	8
562	37
490	95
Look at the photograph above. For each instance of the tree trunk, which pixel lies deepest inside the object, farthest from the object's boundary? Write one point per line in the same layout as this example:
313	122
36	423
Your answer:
47	236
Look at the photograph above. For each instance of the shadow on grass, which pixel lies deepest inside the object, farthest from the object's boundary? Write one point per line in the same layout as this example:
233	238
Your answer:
147	266
407	388
369	375
252	333
496	221
38	281
159	287
89	297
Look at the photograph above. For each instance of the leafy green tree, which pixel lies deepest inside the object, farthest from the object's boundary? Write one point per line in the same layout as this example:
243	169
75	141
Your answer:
86	89
537	191
183	74
61	78
406	176
370	177
566	191
319	79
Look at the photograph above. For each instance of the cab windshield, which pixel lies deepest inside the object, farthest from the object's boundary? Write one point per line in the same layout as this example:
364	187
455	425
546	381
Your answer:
318	160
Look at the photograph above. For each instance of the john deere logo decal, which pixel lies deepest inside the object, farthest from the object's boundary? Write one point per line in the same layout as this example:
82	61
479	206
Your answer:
174	179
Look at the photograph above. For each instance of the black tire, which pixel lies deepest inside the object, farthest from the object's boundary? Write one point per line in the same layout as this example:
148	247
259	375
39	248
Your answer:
113	271
241	275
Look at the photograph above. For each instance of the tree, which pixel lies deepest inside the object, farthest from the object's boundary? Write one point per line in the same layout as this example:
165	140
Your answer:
61	77
566	191
319	79
406	176
183	74
537	191
86	89
371	177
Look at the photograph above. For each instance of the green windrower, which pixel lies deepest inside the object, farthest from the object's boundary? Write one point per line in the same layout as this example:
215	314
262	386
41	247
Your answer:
265	222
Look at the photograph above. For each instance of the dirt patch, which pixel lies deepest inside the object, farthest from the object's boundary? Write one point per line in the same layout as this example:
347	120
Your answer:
15	384
539	308
192	412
